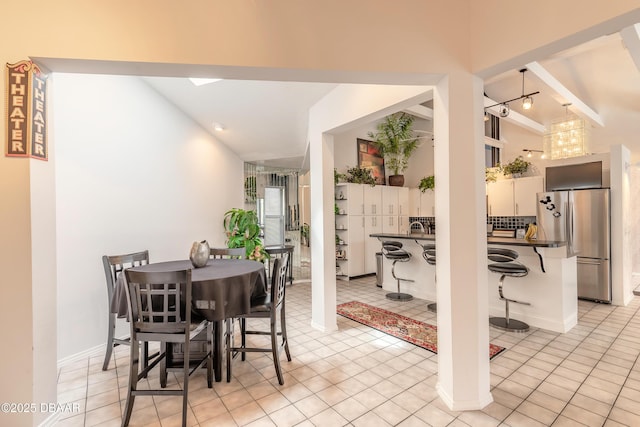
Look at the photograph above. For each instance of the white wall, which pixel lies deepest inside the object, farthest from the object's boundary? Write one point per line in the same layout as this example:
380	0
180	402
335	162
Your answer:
132	173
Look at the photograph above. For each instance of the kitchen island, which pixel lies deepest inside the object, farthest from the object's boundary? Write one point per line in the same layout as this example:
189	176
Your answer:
550	287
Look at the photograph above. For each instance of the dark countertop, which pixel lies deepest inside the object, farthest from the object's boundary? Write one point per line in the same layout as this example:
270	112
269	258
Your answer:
504	241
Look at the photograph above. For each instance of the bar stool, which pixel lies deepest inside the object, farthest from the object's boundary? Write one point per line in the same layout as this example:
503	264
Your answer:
393	251
429	255
504	263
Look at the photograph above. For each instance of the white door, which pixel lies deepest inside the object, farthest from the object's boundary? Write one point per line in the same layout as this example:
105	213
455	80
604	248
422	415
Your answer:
403	201
372	200
414	202
390	224
428	203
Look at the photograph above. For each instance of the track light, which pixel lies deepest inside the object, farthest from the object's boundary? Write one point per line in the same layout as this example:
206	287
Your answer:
530	153
504	110
527	100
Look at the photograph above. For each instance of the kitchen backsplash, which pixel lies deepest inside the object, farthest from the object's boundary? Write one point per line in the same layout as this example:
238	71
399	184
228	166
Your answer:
510	222
499	222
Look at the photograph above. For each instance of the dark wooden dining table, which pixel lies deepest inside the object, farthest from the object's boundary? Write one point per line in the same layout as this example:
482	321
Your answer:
221	290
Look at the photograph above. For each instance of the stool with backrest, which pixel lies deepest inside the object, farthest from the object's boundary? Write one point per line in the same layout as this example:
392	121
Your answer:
429	255
113	266
393	251
227	253
160	310
271	307
504	263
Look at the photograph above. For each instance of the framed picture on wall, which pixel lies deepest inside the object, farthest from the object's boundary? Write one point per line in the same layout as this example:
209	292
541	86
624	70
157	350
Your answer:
369	157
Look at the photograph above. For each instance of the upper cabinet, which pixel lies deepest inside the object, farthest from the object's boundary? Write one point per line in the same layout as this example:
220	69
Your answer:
421	204
514	197
395	200
372	200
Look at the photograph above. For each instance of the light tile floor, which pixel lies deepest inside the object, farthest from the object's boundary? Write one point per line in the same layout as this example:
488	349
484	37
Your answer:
361	377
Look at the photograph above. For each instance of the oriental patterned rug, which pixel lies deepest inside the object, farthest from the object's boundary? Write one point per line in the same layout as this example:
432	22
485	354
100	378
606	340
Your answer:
412	331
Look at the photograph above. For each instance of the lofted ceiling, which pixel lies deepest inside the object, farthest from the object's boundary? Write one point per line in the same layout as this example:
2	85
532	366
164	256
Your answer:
266	121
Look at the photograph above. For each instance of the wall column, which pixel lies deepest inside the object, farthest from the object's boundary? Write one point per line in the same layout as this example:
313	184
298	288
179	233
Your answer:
323	272
621	254
463	327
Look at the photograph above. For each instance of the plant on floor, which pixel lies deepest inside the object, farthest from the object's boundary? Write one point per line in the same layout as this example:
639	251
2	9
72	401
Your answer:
242	230
427	183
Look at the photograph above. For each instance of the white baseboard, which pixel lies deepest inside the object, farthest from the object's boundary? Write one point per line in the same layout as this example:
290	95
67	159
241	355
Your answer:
93	351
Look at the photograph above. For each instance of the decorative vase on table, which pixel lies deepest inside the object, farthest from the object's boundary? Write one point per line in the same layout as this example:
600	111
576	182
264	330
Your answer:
199	254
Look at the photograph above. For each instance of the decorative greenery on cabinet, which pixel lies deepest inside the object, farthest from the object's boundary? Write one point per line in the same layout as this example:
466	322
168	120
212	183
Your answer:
427	183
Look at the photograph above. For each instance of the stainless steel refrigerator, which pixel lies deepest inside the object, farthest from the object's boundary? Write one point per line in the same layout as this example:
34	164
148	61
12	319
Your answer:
582	219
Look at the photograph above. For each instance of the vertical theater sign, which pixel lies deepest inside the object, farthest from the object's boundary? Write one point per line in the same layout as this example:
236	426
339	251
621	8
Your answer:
26	111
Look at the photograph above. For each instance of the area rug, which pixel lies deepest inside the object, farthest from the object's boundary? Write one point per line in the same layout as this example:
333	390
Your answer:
412	331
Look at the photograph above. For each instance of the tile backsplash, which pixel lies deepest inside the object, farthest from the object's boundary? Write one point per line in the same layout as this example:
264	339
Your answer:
499	222
510	222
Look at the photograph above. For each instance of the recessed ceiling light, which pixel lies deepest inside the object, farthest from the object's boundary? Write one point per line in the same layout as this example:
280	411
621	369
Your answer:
218	127
199	82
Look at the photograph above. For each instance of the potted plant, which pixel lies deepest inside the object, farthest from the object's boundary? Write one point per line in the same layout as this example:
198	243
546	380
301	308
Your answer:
516	167
396	142
427	183
360	175
338	177
242	230
490	174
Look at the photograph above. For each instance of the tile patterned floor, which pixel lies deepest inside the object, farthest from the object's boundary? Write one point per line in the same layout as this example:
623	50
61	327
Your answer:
361	377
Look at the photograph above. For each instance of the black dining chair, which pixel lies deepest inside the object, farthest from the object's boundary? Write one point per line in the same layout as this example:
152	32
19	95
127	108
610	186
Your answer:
272	307
160	306
113	266
227	253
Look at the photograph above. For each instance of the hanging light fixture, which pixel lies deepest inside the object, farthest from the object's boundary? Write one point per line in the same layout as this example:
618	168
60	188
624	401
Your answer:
567	137
530	152
527	100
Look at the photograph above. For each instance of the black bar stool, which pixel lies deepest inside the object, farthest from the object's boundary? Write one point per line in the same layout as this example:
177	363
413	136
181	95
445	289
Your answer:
393	251
504	263
429	255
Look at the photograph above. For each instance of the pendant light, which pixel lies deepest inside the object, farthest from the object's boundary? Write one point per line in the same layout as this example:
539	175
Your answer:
527	100
567	137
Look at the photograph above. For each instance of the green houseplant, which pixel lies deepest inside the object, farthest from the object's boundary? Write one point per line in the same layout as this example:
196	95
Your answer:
242	230
360	175
427	183
396	142
516	167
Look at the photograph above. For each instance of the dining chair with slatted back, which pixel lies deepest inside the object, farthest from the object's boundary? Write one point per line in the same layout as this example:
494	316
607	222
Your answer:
160	306
228	253
271	307
113	266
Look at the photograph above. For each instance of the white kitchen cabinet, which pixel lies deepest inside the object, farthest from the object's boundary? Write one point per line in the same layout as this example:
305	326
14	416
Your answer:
389	200
390	224
421	204
514	197
524	195
372	224
500	198
353	227
372	199
403	201
354	266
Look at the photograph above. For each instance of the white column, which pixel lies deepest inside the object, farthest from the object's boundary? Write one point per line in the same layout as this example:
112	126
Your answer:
621	247
323	272
463	328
